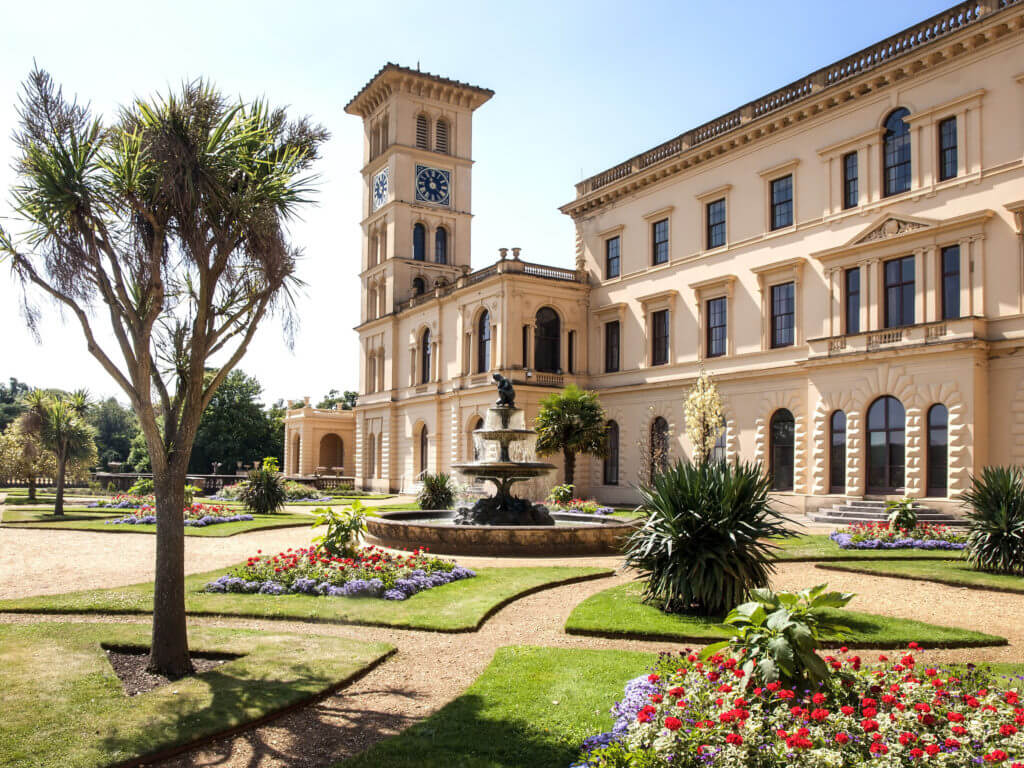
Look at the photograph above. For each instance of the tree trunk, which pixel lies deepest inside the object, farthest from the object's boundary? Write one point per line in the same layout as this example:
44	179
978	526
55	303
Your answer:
570	467
58	507
169	649
32	488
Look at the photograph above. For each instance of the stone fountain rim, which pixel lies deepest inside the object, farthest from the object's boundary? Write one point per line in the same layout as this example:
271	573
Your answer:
585	520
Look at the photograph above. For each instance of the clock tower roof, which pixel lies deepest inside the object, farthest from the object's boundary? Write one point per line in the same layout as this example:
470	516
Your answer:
394	78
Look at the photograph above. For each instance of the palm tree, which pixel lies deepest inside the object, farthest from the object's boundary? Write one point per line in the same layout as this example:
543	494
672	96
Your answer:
59	422
571	422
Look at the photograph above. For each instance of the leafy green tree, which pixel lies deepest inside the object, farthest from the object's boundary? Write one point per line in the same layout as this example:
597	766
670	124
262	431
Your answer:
571	422
346	400
275	419
234	427
138	454
59	422
24	459
116	427
173	220
10	401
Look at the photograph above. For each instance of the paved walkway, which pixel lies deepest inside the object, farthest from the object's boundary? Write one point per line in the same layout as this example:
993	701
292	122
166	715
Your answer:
430	669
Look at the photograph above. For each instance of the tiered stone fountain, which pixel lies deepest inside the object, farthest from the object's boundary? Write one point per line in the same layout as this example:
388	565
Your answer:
501	524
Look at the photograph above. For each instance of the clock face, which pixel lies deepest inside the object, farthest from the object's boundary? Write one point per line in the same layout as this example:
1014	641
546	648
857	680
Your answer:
381	188
433	185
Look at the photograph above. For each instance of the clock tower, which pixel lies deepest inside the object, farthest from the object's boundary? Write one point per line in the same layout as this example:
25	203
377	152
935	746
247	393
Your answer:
417	163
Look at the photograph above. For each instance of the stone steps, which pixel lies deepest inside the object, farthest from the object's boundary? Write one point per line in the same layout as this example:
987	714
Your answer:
862	511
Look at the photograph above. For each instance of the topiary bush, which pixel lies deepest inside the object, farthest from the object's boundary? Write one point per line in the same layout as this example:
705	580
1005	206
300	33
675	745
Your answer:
263	493
702	548
438	491
995	514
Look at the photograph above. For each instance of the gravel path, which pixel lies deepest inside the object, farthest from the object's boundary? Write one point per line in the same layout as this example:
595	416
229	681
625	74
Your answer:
430	669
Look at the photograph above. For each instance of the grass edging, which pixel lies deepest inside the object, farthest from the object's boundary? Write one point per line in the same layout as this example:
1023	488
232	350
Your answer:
619	613
203	741
134	600
853	568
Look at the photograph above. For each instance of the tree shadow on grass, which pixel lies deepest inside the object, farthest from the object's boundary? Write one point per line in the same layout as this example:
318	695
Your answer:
239	703
461	735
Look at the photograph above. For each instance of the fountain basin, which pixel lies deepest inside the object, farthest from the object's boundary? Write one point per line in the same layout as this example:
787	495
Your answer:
572	534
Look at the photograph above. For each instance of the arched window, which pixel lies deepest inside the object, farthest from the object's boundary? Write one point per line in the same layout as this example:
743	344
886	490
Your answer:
371	373
371	304
483	342
938	450
425	366
718	451
424	449
441	245
371	456
781	450
837	453
418	286
332	451
474	446
611	457
659	446
896	153
441	143
422	131
886	446
419	242
547	341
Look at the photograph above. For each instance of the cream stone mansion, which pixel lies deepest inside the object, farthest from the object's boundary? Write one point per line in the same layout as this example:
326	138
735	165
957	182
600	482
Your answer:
845	256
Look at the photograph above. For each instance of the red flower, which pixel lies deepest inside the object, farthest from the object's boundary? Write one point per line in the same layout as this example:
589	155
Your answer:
1007	730
842	738
818	698
819	715
995	756
869	725
879	748
673	723
734	738
933	749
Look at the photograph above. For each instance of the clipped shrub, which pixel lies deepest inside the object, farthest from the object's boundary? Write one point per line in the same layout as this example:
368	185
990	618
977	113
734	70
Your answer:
143	486
777	634
902	515
995	514
561	494
702	547
263	493
438	491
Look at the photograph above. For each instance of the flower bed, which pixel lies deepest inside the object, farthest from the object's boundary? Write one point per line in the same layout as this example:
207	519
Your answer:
372	573
693	713
881	536
196	516
123	501
294	492
580	507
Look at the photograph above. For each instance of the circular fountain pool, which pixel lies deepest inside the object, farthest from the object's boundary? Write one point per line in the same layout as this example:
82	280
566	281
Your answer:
572	534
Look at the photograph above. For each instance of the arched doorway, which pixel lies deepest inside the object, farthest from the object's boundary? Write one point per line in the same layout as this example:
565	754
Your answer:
332	452
424	450
887	463
547	341
296	457
659	446
938	450
781	450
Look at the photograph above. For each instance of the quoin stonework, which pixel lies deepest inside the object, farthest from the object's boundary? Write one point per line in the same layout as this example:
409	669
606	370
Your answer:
845	256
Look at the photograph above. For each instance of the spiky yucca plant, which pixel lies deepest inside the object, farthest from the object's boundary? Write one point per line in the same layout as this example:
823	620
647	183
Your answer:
702	548
995	511
437	492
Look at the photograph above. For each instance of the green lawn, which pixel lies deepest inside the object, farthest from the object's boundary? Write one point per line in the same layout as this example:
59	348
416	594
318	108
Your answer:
531	707
821	548
65	708
952	572
461	606
619	612
86	519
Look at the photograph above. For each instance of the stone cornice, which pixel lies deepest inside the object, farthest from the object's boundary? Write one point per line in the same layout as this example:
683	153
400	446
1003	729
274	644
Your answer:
394	78
945	37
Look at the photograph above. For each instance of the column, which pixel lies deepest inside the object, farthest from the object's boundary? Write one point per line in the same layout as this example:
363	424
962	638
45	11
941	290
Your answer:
871	291
933	276
966	279
833	303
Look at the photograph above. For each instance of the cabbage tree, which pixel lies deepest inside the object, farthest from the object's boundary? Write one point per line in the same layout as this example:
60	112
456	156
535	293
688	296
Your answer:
163	234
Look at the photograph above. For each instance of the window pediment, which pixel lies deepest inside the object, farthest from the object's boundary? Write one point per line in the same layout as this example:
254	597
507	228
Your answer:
891	226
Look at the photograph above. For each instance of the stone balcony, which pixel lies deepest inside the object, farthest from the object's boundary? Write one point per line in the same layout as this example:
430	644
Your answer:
964	329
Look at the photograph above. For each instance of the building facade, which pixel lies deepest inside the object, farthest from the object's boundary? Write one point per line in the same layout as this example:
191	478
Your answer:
845	256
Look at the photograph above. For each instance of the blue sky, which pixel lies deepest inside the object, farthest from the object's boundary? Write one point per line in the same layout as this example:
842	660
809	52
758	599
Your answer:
579	86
